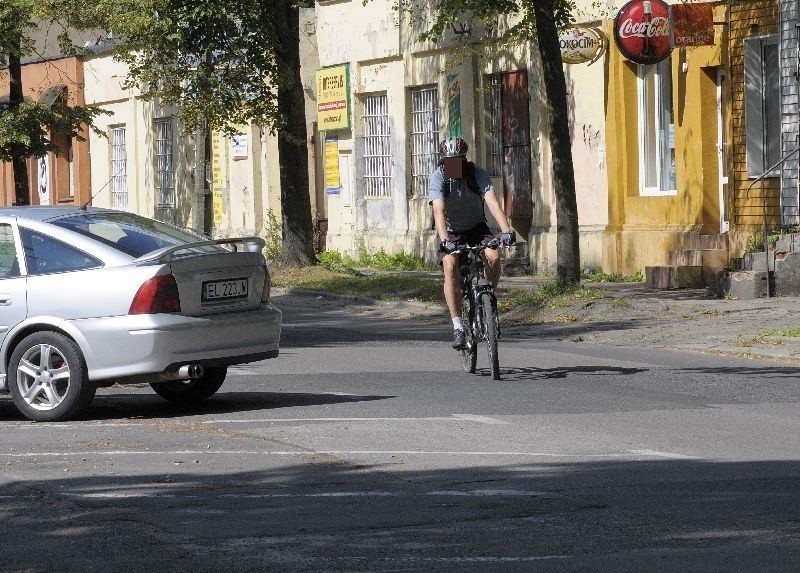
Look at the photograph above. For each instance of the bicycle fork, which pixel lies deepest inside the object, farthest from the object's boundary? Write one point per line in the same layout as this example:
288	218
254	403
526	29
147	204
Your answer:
480	291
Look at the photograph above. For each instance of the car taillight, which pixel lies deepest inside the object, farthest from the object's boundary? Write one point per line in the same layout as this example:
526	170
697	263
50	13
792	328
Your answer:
158	294
267	286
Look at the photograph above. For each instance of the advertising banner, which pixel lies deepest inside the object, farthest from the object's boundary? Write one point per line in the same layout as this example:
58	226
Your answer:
453	106
333	184
333	98
692	25
216	177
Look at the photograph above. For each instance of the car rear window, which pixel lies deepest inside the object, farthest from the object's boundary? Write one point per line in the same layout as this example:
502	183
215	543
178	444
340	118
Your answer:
132	234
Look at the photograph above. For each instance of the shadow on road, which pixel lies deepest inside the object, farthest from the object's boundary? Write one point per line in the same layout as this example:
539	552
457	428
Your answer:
610	515
144	406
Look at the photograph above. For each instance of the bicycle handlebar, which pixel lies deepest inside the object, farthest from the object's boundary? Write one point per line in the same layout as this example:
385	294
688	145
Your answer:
494	243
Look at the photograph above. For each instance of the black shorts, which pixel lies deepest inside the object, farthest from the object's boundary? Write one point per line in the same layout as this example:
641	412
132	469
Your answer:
471	237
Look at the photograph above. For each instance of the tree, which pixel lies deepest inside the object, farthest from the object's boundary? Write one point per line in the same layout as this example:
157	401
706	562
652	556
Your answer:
25	126
537	20
222	64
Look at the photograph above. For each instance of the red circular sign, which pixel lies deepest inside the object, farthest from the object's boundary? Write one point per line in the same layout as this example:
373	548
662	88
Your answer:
642	31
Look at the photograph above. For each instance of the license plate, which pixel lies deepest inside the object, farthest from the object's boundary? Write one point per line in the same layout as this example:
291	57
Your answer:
224	289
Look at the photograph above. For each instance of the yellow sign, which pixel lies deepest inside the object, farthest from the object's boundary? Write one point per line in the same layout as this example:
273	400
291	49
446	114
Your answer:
333	98
216	178
333	185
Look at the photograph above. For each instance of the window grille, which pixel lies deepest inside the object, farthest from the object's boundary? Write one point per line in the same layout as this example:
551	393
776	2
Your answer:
495	117
165	175
377	146
119	169
424	137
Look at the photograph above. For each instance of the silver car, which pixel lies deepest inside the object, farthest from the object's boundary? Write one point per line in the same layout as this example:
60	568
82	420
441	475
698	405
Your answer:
95	297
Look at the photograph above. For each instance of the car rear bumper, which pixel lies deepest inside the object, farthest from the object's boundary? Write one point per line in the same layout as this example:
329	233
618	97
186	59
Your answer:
134	345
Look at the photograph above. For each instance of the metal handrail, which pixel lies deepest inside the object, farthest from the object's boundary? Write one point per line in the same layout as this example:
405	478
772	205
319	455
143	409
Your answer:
764	204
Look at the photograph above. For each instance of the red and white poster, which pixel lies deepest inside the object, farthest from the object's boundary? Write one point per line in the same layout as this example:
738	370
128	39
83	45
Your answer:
643	32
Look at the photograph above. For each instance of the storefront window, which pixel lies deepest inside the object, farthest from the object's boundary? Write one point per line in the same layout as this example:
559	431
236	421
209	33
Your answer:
656	130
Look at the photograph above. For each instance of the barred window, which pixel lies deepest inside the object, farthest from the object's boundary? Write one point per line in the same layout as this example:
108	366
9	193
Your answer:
119	169
165	175
377	146
424	137
494	115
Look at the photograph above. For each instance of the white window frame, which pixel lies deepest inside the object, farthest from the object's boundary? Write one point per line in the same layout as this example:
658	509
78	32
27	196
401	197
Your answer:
164	164
656	136
762	105
377	146
119	167
424	137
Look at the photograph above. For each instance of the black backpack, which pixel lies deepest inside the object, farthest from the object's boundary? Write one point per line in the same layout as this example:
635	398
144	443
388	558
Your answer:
469	177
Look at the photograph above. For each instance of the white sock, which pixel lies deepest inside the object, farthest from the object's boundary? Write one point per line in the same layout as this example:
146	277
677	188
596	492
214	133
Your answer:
457	324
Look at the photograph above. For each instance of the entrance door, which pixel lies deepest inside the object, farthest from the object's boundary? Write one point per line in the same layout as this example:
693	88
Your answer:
722	152
516	132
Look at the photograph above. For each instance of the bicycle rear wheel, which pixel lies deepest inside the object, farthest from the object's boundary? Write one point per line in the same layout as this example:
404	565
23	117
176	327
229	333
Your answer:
469	355
489	333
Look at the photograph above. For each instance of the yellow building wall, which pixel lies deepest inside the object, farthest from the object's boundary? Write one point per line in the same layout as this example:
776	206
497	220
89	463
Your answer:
643	229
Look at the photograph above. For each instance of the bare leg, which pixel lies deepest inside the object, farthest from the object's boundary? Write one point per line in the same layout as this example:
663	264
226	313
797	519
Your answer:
491	258
452	288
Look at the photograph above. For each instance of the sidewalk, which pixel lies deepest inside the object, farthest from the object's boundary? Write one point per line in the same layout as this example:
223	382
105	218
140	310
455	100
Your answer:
630	314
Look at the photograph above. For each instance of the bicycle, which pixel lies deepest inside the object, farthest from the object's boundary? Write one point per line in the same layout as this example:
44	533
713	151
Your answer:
478	307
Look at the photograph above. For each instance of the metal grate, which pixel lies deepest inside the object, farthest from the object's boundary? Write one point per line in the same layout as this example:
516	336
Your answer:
495	116
119	169
424	137
165	175
377	146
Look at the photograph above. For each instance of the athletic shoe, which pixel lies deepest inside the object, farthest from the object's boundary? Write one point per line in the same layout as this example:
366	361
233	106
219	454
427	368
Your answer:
459	340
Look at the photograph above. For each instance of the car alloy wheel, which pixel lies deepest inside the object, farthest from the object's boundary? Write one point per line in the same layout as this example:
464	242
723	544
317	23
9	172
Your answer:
48	377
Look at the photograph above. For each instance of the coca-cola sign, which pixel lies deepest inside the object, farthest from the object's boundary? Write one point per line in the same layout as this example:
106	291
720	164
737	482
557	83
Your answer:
642	30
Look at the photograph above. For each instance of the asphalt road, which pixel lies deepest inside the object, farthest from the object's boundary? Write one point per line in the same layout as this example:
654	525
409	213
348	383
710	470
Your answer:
365	447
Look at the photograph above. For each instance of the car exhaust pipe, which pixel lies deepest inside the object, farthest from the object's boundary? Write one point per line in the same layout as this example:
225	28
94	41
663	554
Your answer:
191	371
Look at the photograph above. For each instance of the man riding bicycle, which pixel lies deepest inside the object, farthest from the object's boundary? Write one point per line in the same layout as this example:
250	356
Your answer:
457	190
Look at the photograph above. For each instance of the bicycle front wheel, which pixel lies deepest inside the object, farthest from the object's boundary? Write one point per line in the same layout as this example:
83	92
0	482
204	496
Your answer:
489	333
469	355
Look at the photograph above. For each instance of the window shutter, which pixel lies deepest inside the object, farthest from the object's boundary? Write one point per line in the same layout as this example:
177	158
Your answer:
753	109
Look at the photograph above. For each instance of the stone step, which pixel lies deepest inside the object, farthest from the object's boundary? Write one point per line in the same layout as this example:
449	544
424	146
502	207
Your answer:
758	261
712	261
515	266
669	277
745	285
710	242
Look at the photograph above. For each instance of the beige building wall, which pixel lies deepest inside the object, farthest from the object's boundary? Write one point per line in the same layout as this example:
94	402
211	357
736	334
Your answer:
247	185
385	57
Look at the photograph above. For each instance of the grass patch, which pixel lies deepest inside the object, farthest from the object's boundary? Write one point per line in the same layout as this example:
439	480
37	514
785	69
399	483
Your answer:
379	286
600	276
547	295
755	341
784	332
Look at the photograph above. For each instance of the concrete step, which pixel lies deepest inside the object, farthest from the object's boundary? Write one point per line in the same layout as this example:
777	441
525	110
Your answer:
668	277
515	266
758	261
711	242
744	285
712	261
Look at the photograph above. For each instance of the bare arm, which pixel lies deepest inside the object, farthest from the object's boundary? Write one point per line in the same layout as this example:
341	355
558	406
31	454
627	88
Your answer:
439	219
496	211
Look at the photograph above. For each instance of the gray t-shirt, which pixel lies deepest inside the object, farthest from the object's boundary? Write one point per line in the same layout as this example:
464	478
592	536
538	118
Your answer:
462	206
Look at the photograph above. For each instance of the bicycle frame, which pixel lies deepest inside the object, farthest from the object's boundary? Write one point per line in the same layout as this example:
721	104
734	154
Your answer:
474	282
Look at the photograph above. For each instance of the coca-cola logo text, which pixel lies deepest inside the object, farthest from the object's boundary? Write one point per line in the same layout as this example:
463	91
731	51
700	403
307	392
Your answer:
651	29
642	30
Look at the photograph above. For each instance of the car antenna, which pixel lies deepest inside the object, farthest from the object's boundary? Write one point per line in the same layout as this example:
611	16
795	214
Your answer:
83	207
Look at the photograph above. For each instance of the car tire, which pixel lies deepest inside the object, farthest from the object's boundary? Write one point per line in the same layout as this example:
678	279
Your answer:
194	390
48	379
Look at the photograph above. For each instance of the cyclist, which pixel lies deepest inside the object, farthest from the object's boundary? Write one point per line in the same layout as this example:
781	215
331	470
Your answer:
457	190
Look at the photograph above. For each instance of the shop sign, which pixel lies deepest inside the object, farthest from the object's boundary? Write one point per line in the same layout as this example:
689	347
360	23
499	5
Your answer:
692	25
333	98
642	31
581	44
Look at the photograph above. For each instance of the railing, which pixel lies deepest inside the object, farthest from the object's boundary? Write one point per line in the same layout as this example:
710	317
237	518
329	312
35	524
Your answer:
764	201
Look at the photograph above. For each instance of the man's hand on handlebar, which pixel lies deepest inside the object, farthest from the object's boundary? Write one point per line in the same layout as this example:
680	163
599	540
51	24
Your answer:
447	247
508	239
